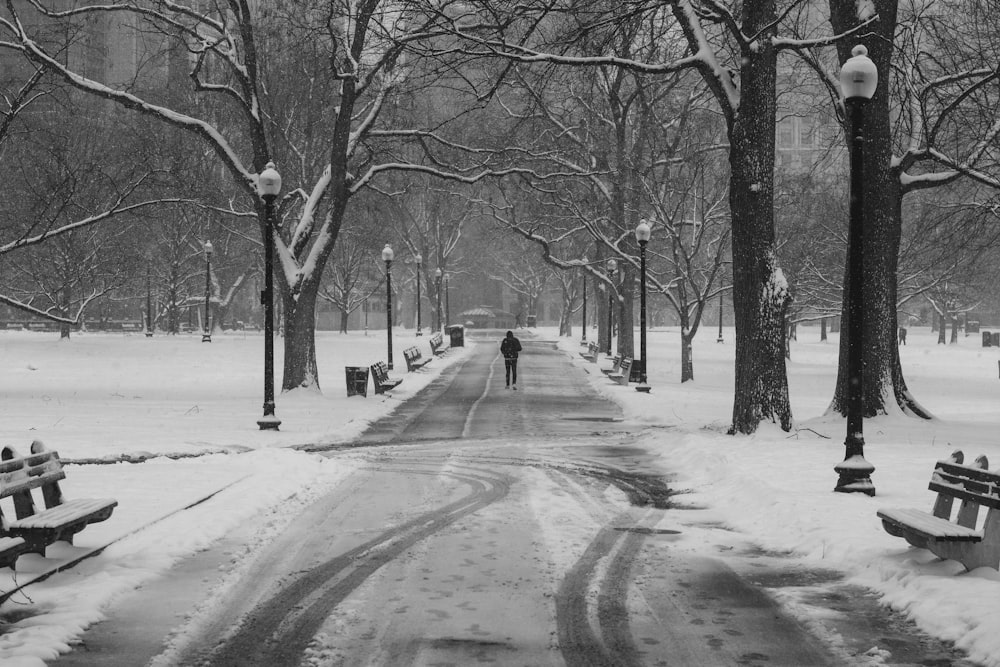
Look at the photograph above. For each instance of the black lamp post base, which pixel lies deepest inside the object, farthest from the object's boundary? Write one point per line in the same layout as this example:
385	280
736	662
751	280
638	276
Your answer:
855	476
205	338
720	339
268	422
149	334
643	388
419	332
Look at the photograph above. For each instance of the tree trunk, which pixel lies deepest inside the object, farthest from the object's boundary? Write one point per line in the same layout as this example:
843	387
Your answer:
942	328
687	356
300	368
822	330
343	320
954	329
883	373
760	293
624	315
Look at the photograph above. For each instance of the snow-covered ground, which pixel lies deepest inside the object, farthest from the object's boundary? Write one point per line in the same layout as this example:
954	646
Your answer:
126	397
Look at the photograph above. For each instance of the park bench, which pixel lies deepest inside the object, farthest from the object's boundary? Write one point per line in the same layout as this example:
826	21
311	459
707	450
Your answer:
616	363
437	344
61	519
414	360
591	353
624	371
381	379
956	539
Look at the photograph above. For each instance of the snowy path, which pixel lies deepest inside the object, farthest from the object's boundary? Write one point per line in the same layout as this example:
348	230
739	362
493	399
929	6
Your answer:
486	526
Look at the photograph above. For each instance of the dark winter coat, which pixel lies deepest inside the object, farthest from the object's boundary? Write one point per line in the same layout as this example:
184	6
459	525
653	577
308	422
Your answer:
510	347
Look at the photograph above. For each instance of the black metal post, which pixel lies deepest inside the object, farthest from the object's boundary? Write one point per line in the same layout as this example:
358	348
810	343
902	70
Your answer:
447	304
419	332
437	300
720	339
611	310
642	310
584	320
149	303
269	421
388	311
206	337
855	471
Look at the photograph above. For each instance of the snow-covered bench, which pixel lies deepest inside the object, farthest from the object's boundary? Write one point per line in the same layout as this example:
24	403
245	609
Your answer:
414	359
61	519
381	379
591	353
956	539
616	363
624	371
437	344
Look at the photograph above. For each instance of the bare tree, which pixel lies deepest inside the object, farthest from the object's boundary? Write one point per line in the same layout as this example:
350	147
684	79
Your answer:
320	88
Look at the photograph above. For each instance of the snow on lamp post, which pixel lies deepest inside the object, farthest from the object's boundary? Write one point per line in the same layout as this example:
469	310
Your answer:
858	80
612	267
387	256
206	336
642	234
418	259
268	185
437	298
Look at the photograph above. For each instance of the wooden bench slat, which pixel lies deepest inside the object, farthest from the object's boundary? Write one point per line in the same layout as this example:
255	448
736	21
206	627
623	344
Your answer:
929	526
963	494
69	512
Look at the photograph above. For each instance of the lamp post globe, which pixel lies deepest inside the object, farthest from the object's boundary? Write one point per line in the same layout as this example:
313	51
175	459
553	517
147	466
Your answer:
268	186
642	234
387	256
612	267
858	80
206	336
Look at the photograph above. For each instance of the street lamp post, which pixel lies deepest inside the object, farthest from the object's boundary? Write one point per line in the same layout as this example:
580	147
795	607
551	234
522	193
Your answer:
642	234
387	255
269	185
447	300
612	267
149	300
437	298
418	259
206	336
858	80
584	319
720	339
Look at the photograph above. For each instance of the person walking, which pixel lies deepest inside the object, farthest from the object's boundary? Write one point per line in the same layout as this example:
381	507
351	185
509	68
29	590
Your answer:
509	348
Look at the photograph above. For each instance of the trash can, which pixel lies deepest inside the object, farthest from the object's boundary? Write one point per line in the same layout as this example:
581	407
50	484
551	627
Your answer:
357	380
532	320
996	339
987	339
637	371
456	335
972	326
